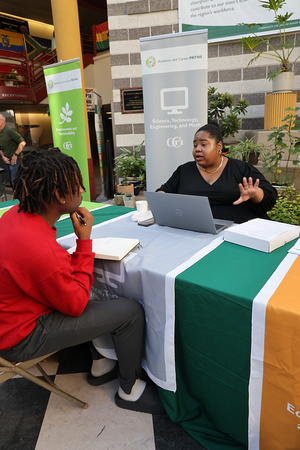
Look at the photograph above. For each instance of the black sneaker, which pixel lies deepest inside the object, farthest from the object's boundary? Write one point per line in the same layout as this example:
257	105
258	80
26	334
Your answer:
149	402
109	376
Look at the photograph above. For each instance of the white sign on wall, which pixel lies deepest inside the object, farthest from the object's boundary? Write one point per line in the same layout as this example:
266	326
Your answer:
224	19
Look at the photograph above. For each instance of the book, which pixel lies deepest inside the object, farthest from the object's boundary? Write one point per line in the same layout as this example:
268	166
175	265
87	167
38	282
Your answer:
112	248
262	234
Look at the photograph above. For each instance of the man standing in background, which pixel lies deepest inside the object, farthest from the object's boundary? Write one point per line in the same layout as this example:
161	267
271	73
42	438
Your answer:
11	146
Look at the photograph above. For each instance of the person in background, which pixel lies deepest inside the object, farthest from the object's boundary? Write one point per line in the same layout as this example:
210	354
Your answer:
236	190
11	147
44	295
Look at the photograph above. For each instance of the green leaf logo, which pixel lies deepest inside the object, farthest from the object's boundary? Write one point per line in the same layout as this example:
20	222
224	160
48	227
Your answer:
66	112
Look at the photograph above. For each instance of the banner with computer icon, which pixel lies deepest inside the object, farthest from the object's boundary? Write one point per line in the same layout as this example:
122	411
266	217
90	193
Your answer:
174	74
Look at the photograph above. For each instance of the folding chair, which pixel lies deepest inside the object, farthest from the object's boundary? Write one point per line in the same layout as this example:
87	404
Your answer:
9	369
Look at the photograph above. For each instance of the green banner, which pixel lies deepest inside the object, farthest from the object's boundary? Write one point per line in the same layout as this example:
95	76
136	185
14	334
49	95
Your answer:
64	88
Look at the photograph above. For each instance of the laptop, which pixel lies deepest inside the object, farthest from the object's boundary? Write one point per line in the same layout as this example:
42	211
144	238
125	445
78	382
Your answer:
188	212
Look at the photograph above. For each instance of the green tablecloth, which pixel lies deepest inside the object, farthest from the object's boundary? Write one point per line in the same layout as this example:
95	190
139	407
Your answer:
65	227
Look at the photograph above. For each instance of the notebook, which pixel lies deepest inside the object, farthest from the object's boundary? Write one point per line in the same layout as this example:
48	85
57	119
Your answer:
112	248
188	212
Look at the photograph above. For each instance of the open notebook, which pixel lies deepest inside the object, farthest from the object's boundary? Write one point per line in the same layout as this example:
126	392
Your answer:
112	248
188	212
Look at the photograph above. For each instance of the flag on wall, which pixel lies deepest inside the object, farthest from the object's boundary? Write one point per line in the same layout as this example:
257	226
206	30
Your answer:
33	47
102	36
9	40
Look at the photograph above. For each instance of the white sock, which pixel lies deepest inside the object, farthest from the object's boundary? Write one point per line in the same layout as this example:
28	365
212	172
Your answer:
136	391
102	366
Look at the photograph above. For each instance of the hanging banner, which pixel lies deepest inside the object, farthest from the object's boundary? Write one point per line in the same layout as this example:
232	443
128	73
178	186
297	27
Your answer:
224	19
174	71
64	88
102	36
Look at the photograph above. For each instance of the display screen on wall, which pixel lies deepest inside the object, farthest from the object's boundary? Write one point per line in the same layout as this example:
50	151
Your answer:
224	19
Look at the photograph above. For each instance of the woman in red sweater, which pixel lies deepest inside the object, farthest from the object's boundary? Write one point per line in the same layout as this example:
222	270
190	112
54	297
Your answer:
44	295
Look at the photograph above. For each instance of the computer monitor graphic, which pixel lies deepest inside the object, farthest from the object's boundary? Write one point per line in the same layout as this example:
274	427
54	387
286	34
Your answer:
174	100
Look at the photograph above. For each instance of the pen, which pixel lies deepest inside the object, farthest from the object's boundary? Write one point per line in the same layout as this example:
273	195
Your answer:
80	218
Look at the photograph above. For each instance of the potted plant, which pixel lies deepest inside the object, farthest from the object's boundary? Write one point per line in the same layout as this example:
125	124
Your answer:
126	187
257	44
285	143
223	109
247	150
131	166
287	207
10	79
118	197
129	200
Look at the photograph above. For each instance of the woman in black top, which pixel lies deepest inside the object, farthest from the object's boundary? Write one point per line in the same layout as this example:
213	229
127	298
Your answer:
236	190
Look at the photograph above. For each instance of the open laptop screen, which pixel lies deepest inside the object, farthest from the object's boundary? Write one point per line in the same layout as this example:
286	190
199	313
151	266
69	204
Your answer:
188	212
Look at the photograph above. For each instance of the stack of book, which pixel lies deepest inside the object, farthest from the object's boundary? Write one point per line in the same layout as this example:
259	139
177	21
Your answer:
261	234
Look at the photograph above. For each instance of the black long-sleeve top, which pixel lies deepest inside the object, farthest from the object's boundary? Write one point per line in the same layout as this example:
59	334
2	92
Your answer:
224	191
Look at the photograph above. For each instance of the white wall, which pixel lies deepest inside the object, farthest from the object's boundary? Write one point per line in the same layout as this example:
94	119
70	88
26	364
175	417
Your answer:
102	74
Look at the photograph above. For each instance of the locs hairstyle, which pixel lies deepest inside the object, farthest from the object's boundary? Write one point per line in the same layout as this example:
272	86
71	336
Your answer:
43	172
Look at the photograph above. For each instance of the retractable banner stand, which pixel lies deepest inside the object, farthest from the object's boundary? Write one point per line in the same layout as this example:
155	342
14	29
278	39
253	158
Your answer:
99	135
174	71
64	88
94	105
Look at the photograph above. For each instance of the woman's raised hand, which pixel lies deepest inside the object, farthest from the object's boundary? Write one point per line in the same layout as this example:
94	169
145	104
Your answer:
248	190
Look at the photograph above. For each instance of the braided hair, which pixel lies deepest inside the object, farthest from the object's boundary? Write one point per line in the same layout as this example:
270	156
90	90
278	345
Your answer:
41	174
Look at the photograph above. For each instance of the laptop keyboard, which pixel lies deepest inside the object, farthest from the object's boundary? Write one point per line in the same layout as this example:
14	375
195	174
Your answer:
218	226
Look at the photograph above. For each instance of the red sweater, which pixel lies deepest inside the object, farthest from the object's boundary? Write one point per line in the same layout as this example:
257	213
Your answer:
37	276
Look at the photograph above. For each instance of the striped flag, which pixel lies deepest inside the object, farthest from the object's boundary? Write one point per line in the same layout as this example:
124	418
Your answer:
102	36
9	40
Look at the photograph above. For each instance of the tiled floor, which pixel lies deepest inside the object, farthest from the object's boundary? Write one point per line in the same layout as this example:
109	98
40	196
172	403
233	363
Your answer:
31	418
